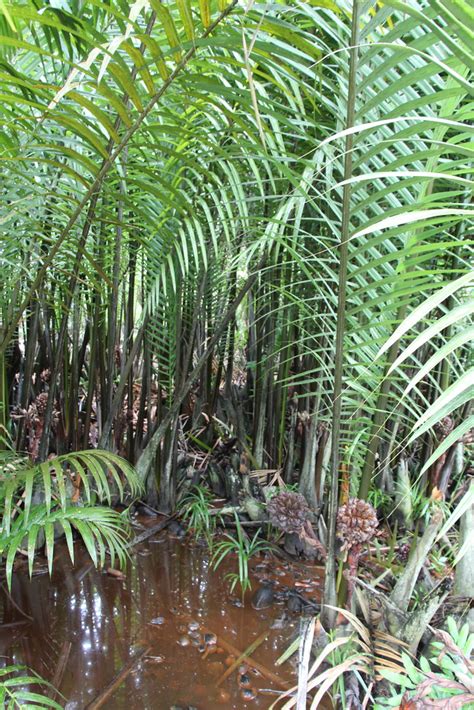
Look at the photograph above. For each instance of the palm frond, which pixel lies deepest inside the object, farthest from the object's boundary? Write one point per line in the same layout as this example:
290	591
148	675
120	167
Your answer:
103	531
18	689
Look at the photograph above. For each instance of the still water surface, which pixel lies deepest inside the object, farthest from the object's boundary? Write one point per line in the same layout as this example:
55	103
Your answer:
87	626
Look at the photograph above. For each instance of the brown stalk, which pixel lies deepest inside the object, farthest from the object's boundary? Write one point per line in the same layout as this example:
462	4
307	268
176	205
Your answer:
110	689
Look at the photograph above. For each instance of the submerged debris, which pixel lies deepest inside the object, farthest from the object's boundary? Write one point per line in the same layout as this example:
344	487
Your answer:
263	597
244	680
248	694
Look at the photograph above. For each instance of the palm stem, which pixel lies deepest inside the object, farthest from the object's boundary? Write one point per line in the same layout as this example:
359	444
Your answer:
330	596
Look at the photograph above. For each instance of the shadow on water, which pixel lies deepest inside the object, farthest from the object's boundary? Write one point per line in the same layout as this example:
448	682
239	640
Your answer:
86	627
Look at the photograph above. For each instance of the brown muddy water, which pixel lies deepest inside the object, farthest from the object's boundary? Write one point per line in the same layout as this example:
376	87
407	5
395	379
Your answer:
139	642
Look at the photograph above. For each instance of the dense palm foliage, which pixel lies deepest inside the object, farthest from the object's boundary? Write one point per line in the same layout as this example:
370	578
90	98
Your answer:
244	226
153	160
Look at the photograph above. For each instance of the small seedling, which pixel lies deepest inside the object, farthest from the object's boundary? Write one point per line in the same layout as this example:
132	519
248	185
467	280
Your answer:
196	510
245	548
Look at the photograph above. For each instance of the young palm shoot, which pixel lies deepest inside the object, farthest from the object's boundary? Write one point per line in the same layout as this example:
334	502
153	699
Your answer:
195	508
244	548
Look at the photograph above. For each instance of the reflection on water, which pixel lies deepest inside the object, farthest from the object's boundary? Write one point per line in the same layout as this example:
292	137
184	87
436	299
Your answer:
87	625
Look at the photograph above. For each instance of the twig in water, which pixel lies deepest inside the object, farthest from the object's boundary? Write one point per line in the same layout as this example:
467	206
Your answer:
254	664
105	694
150	531
245	655
60	668
23	613
153	510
